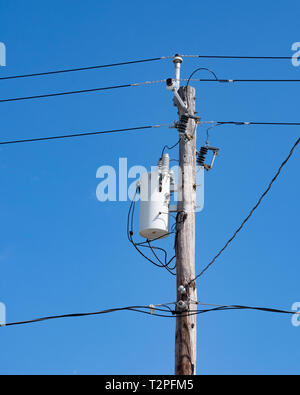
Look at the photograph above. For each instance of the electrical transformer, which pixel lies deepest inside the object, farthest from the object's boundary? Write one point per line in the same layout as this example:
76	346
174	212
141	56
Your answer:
155	188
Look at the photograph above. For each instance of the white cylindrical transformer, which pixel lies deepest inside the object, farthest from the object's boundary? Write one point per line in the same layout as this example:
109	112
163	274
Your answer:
154	203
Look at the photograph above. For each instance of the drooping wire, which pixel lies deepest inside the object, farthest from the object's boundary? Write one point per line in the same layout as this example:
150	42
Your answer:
202	69
250	214
208	129
139	309
169	147
147	244
194	72
218	307
150	310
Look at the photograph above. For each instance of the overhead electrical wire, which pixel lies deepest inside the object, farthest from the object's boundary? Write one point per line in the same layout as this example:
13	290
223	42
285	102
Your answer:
68	136
250	213
106	88
161	308
139	309
239	80
139	61
13	99
237	57
83	68
73	135
194	72
219	307
246	123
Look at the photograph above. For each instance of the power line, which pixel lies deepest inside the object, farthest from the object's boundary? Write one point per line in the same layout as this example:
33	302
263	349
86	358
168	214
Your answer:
139	309
238	123
217	307
67	136
247	123
64	93
251	212
82	68
79	91
240	80
239	57
161	308
139	61
56	94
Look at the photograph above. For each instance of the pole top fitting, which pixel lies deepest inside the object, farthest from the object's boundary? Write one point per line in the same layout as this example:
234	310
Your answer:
177	59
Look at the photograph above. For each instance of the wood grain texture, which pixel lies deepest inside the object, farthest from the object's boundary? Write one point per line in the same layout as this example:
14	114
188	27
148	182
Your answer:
185	339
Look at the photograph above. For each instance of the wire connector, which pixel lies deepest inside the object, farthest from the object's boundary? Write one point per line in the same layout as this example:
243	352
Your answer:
152	308
181	306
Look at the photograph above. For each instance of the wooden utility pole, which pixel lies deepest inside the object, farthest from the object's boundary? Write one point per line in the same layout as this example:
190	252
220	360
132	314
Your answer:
185	340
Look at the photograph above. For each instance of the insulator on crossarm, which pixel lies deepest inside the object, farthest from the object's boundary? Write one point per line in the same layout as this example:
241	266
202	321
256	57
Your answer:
201	156
182	124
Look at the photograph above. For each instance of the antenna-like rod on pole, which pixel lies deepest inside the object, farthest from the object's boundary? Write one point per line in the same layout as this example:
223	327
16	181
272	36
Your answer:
174	84
177	60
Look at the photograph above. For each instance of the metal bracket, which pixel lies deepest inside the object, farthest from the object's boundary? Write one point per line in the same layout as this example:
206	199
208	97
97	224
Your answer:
172	86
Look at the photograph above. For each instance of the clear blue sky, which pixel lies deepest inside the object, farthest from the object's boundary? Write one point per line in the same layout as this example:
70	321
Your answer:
62	251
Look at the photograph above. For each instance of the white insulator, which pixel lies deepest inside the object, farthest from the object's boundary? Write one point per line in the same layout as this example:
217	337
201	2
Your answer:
154	204
165	163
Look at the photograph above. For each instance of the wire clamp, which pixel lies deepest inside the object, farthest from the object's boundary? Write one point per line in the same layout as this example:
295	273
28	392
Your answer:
152	308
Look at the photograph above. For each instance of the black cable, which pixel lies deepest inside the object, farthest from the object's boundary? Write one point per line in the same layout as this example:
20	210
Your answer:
243	80
138	128
161	265
251	212
167	309
80	69
169	147
65	93
202	69
244	57
146	244
195	71
240	307
73	315
167	263
76	135
137	62
245	123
